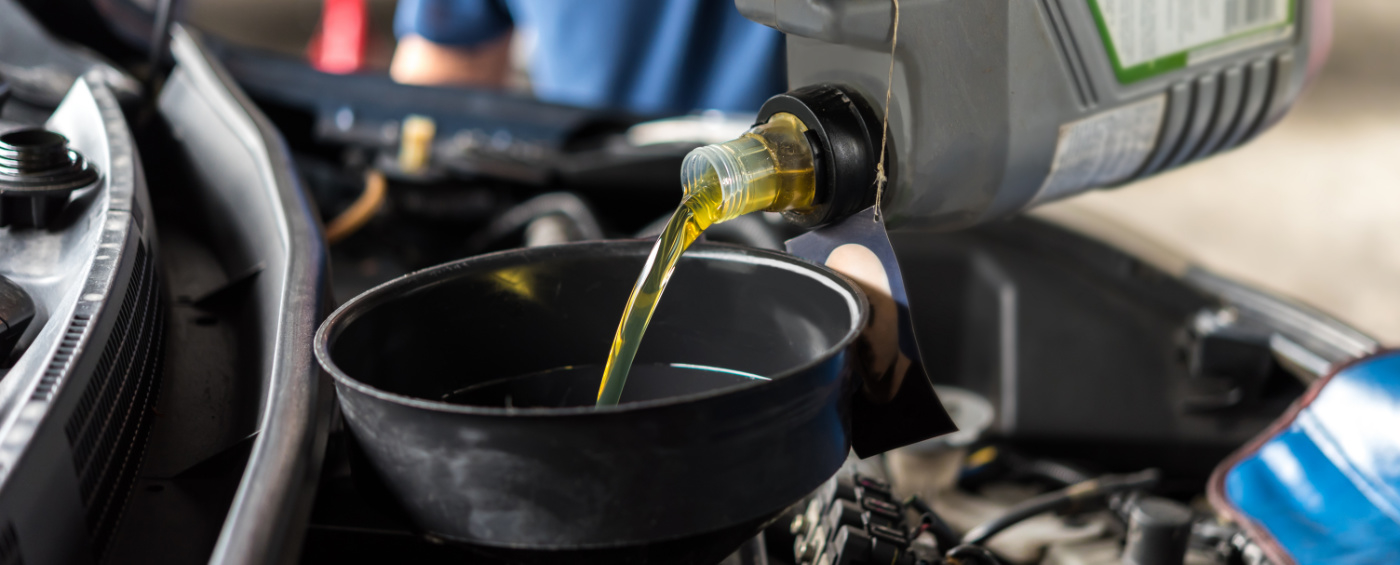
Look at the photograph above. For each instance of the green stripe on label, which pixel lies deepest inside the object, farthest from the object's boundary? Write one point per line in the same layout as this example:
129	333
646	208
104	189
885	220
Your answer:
1180	58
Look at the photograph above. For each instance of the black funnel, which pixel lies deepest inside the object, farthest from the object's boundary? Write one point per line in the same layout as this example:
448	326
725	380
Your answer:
679	472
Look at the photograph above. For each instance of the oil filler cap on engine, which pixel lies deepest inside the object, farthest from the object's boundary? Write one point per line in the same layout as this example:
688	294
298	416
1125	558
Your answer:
38	172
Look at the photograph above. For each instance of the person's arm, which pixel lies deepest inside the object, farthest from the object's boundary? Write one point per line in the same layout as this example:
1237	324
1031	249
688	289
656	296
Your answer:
420	61
452	42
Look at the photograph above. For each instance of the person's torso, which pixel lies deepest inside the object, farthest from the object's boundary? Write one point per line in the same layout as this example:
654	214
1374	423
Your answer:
650	56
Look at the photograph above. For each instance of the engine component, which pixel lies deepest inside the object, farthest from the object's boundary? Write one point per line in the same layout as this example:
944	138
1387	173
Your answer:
1067	498
37	174
1335	445
79	395
16	311
1158	532
971	555
854	520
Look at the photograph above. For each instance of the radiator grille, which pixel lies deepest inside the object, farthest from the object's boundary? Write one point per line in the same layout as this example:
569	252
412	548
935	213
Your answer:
107	430
61	358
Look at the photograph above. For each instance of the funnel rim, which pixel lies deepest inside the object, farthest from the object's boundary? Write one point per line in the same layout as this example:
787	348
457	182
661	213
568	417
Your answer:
361	304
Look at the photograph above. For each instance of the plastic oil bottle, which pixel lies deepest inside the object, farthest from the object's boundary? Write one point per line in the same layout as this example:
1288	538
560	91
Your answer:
768	168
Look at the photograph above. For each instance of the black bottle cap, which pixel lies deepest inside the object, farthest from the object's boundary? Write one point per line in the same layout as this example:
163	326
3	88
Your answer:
845	137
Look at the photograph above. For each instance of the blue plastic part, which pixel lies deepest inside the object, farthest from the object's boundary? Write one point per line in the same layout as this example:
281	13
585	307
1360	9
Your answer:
1327	488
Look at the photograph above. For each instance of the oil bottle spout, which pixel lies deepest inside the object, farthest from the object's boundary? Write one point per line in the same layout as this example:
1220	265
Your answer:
812	156
768	168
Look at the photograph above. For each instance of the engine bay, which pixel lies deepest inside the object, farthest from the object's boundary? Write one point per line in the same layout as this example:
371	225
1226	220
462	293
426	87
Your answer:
1096	385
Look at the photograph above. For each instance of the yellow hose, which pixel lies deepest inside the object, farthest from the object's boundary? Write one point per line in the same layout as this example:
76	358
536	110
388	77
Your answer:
361	210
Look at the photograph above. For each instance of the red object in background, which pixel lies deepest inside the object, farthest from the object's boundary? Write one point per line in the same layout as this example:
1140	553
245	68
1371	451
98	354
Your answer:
339	47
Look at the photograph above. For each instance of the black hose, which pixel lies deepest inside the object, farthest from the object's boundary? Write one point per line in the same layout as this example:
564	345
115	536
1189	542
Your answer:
1063	499
1059	473
941	532
970	555
160	41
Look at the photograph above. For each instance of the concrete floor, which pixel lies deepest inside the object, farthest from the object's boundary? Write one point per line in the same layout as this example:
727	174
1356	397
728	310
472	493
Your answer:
1311	209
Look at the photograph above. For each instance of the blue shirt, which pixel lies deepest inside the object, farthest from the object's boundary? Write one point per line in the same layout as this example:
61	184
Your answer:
645	56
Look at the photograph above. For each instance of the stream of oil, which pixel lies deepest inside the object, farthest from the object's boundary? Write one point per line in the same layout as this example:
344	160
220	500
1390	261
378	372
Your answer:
696	213
777	175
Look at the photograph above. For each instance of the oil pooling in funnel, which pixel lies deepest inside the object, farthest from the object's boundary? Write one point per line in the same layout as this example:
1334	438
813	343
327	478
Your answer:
768	168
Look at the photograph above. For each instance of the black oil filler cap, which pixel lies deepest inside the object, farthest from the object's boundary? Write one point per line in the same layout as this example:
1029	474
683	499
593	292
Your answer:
38	172
16	311
1159	531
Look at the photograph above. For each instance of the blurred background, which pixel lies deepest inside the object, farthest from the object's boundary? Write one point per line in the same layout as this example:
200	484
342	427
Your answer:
1311	209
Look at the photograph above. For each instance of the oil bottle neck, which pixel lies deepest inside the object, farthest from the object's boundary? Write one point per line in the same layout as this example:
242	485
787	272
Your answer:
844	133
812	157
768	168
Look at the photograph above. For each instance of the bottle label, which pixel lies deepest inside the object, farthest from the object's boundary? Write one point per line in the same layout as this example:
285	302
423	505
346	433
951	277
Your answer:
1145	38
1103	149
